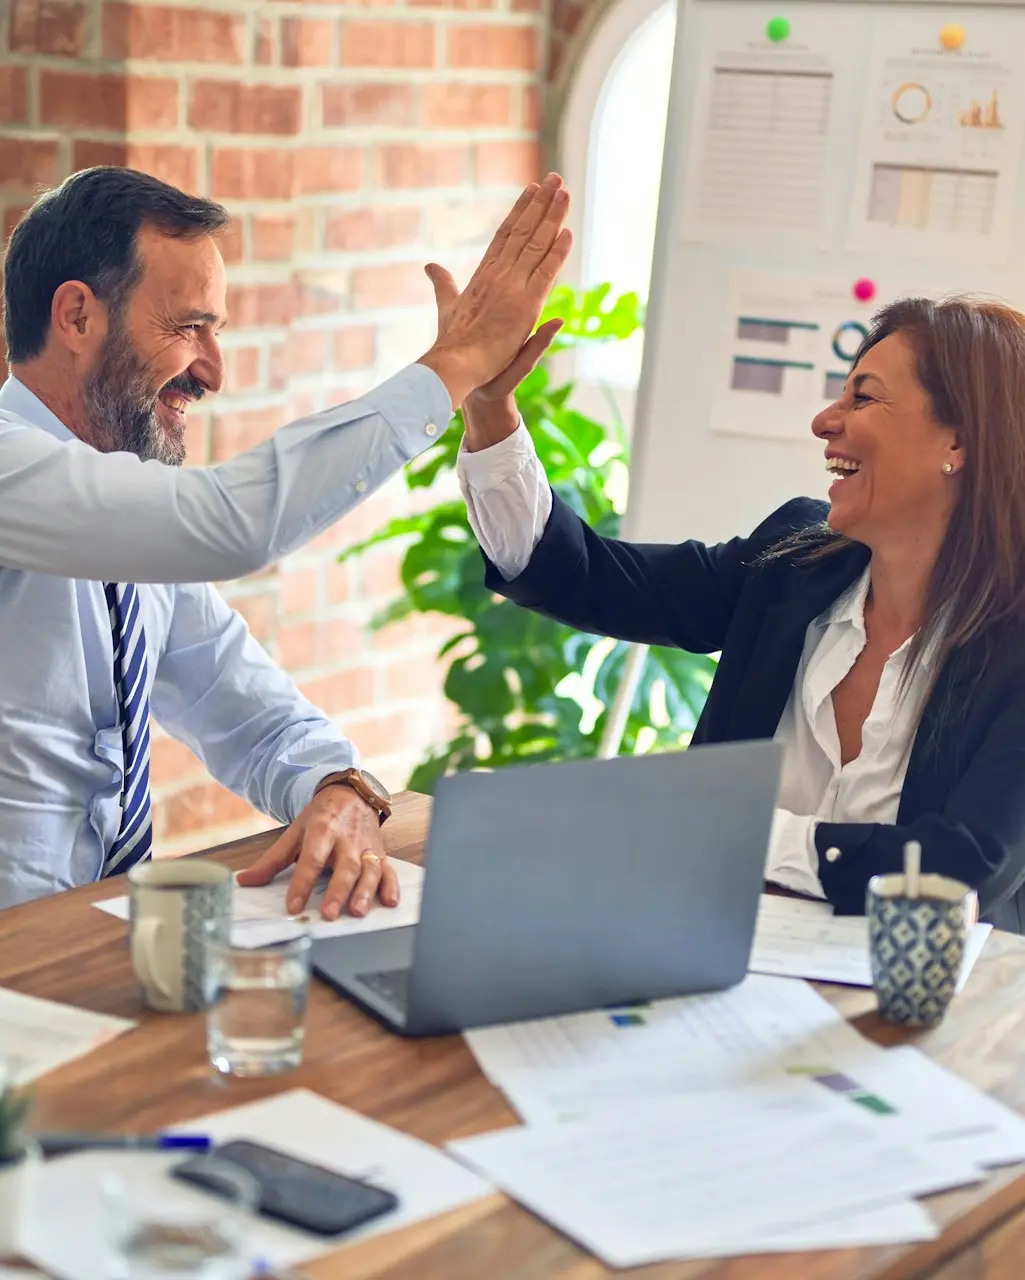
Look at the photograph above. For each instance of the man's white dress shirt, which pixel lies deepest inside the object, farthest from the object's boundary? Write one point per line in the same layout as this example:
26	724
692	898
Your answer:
508	500
72	518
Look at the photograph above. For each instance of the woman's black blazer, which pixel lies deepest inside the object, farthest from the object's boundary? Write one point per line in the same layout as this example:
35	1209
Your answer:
964	793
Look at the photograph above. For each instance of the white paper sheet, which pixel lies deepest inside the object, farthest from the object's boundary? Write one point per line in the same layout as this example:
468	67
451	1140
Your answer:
760	126
786	350
800	939
664	1182
761	1025
65	1234
38	1035
941	138
259	915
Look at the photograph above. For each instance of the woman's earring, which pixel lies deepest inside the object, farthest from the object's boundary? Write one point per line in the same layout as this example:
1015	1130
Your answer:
948	468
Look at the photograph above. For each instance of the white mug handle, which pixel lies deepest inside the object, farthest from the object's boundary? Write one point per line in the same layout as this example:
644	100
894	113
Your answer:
145	937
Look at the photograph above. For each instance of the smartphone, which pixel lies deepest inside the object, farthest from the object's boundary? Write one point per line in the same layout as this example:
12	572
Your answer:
294	1191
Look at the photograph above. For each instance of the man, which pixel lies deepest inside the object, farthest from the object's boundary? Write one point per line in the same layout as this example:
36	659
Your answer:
114	297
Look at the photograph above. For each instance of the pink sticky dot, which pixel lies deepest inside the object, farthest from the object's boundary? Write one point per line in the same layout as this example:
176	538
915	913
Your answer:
864	289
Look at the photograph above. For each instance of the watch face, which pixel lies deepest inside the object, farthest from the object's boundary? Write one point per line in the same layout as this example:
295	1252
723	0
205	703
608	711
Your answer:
377	787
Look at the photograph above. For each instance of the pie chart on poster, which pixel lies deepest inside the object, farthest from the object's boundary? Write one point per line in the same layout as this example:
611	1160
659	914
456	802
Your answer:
911	103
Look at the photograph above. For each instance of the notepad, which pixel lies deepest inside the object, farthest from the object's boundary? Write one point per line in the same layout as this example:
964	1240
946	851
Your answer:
37	1036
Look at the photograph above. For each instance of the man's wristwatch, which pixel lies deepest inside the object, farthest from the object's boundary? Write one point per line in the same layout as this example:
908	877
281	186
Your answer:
366	786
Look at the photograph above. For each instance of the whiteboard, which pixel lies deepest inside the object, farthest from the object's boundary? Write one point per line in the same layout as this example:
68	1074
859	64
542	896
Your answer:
872	158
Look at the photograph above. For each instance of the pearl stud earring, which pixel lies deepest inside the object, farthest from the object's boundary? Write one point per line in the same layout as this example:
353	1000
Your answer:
948	468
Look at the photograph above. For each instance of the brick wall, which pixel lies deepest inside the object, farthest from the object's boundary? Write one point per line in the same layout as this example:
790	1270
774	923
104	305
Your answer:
352	142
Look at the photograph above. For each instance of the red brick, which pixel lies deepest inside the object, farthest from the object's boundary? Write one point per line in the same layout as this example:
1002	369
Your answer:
299	591
513	163
306	351
13	95
27	163
231	242
307	42
357	230
47	26
319	293
526	6
532	108
234	433
278	366
387	735
272	238
263	43
251	306
493	47
172	35
381	574
200	808
467	106
107	102
354	348
376	104
224	106
259	174
348	690
178	166
172	762
399	635
412	166
388	44
319	643
338	578
245	364
451	4
396	284
412	678
320	170
260	610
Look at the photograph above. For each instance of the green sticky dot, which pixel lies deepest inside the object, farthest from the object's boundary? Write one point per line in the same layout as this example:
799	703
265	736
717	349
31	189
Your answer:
777	29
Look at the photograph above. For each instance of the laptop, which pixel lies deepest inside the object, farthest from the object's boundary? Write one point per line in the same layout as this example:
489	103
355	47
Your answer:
553	888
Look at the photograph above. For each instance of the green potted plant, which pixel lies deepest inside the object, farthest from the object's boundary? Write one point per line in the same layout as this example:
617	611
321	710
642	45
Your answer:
526	688
19	1166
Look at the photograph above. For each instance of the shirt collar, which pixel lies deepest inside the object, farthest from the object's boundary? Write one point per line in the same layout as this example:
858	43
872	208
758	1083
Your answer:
850	608
16	399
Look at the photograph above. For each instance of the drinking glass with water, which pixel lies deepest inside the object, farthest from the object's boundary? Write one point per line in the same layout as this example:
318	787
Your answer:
160	1230
257	1003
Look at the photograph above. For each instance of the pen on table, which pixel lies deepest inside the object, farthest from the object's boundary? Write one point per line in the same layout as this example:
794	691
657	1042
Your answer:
58	1144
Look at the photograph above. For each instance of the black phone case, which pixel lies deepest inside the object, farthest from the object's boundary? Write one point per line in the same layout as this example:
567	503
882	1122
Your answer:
294	1191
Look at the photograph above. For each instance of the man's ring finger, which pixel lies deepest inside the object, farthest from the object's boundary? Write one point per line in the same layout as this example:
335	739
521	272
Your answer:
376	859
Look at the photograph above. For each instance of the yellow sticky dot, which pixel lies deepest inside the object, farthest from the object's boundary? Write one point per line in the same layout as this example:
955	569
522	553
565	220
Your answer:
952	36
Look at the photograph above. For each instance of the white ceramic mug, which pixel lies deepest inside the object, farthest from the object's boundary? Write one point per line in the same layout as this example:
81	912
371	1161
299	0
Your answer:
177	908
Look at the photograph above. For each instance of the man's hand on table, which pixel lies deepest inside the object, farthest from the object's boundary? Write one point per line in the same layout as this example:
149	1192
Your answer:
336	829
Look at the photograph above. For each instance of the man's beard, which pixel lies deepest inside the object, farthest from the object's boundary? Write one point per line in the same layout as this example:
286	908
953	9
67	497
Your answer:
122	408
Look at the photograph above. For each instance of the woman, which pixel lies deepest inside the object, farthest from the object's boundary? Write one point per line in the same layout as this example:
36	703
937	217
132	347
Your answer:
880	638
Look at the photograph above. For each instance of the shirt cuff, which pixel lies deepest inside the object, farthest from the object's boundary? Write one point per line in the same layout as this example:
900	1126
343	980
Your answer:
415	403
793	860
485	469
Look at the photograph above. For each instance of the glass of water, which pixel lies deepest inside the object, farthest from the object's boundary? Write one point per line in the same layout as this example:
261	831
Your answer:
161	1229
257	1002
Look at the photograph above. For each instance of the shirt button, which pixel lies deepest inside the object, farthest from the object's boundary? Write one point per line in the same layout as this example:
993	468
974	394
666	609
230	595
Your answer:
361	486
832	854
431	429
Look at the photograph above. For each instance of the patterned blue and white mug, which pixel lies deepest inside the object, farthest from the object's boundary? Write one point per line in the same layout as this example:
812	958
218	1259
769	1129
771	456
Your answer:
917	945
177	907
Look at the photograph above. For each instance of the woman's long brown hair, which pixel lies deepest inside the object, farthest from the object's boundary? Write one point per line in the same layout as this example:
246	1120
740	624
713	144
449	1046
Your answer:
970	361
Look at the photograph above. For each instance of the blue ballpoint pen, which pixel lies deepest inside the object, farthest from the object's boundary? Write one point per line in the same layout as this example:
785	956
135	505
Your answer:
57	1144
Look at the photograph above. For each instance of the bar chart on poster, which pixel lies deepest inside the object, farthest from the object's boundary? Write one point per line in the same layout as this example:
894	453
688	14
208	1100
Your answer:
821	160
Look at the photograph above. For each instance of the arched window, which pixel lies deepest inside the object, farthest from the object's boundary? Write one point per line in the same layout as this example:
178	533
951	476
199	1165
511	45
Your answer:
610	140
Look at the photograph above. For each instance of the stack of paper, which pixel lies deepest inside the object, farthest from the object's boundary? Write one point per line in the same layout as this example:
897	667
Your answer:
259	915
761	1095
37	1036
66	1234
795	938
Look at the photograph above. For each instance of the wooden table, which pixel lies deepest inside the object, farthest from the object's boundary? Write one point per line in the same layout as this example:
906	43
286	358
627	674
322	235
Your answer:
63	949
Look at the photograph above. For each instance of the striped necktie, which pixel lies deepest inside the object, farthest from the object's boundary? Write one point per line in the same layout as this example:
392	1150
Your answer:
135	838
